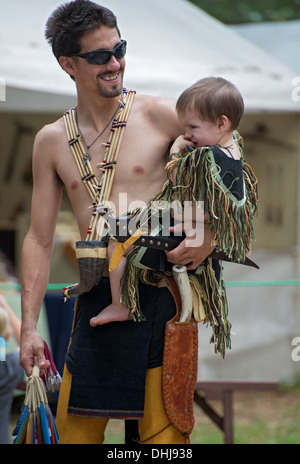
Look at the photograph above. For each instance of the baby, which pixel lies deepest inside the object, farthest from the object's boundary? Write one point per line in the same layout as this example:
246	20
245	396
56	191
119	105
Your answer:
210	112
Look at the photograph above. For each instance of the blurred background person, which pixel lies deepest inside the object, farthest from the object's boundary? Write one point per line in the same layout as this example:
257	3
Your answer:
11	373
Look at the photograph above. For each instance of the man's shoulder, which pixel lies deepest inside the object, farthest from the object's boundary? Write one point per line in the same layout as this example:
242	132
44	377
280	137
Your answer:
160	112
51	131
50	141
155	103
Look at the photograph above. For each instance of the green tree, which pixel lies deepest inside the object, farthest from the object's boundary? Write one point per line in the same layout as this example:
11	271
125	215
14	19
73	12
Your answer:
247	11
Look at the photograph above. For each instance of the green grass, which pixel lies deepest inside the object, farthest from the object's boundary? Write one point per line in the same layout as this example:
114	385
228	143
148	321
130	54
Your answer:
258	430
253	434
259	418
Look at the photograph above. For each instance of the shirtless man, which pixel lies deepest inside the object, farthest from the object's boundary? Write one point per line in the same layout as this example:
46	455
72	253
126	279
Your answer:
151	128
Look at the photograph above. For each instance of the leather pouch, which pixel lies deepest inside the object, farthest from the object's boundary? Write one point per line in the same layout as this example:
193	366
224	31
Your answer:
180	365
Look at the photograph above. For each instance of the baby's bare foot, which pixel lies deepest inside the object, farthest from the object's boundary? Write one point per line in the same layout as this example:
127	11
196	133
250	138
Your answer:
111	313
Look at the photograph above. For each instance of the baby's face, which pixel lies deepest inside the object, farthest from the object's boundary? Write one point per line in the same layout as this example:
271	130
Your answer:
198	131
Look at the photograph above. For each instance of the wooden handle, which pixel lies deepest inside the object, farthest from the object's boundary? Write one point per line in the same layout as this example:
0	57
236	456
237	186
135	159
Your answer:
182	280
36	369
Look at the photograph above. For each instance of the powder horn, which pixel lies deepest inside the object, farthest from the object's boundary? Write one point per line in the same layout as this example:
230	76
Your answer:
91	257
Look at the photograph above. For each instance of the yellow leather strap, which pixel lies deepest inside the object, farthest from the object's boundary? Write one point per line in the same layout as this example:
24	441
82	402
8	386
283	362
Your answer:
120	249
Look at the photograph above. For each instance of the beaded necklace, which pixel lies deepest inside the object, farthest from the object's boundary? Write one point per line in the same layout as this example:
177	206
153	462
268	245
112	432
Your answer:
99	191
102	132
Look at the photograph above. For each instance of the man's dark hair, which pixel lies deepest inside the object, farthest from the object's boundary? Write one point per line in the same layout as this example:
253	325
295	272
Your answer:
69	22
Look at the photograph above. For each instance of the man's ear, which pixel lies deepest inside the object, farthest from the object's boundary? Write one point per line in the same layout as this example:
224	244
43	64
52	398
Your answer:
68	65
223	123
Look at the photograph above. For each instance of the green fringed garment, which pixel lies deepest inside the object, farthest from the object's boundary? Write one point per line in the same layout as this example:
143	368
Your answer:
228	189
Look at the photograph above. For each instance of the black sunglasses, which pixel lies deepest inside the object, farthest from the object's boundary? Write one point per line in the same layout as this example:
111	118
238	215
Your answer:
104	56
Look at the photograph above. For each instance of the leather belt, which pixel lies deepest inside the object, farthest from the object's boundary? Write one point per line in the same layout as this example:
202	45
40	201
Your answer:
120	229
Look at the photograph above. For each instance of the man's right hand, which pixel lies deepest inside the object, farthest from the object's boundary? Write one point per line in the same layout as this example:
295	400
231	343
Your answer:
32	345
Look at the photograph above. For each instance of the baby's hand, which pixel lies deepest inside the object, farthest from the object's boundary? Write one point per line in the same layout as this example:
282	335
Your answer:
180	144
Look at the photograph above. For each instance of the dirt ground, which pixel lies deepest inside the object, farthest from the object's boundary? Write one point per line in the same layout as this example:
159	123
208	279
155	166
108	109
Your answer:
271	406
278	412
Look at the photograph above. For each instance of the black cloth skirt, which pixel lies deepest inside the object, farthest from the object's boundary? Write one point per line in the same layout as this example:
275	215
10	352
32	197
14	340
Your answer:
108	363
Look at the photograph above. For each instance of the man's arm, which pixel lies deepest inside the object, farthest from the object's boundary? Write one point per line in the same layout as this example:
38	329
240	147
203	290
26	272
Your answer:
37	249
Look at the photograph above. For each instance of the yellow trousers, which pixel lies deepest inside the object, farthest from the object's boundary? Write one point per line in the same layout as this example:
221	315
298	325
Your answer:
154	428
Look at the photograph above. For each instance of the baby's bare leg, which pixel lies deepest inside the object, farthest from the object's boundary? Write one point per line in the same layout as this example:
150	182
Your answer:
116	311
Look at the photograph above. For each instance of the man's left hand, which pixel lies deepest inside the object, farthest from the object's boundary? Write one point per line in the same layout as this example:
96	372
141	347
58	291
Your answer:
193	250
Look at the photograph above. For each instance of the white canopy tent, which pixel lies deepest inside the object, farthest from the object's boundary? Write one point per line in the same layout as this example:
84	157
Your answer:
171	44
280	39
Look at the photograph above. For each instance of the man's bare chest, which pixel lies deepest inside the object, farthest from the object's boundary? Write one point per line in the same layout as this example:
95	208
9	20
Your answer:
140	160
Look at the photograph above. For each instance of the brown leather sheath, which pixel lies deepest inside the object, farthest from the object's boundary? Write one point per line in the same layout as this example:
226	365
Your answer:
180	364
